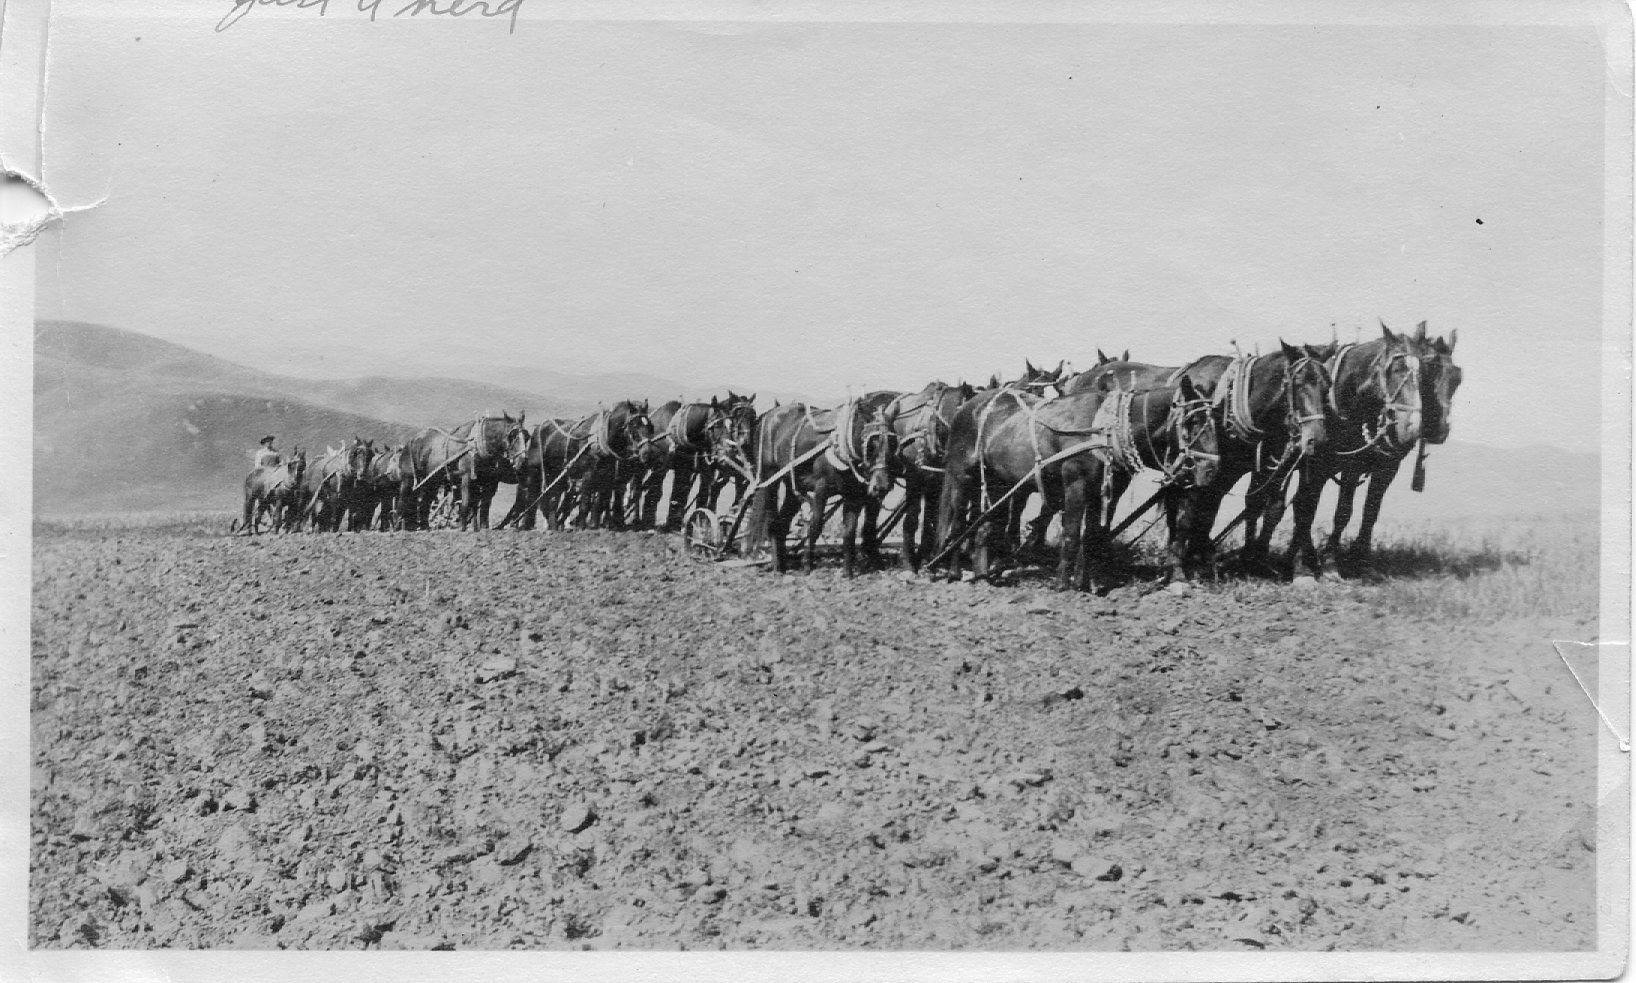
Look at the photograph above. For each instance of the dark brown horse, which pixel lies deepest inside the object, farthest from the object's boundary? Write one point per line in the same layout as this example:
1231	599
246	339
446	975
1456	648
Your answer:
471	458
799	454
564	463
683	438
370	507
336	478
1374	420
1267	409
921	422
1004	440
279	490
1439	378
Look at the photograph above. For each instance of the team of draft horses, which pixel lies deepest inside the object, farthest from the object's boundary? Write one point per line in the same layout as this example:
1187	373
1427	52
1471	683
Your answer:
967	457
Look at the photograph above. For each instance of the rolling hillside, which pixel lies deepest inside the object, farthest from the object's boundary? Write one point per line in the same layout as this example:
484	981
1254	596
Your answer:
76	356
126	422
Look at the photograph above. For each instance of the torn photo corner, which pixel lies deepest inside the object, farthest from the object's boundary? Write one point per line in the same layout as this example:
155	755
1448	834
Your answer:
1588	661
377	590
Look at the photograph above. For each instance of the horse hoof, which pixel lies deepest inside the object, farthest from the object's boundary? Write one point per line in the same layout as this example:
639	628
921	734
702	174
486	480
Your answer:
1304	582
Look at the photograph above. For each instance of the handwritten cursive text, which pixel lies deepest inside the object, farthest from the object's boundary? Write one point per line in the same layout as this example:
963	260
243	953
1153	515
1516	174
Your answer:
414	8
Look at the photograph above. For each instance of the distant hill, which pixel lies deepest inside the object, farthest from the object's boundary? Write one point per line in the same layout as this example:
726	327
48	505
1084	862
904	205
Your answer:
126	422
128	450
75	355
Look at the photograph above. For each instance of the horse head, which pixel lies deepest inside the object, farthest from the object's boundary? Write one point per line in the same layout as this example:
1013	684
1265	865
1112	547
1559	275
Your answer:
631	421
360	453
1396	381
729	430
1036	380
880	442
1197	442
1439	378
1306	383
518	440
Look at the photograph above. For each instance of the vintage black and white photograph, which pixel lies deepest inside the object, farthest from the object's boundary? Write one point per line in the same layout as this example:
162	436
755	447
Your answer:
1139	486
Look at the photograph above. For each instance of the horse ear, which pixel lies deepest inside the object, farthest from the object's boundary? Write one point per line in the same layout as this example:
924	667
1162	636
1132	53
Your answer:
1420	332
750	398
1101	359
1125	356
1454	333
1386	332
1290	351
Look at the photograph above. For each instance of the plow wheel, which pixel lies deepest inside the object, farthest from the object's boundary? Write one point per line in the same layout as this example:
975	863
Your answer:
702	534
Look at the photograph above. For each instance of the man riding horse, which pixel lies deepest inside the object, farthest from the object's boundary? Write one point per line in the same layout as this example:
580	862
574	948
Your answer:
266	455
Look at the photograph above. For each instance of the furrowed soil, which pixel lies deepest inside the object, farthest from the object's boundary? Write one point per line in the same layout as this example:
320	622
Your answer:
592	740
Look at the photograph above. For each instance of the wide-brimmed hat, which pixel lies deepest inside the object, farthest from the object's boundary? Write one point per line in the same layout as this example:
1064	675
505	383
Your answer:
267	439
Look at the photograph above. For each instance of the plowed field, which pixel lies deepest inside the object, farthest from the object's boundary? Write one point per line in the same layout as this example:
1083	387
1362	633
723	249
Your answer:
593	740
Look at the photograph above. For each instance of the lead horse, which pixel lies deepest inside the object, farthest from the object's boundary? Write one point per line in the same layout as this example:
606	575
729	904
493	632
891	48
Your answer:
1374	419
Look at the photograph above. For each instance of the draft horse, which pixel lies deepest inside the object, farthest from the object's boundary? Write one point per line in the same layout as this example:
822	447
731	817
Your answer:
278	490
1374	419
799	454
1266	409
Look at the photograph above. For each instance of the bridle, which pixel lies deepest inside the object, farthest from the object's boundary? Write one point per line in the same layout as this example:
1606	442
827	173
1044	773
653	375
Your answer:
601	435
928	440
849	443
1381	438
1185	437
877	429
1239	418
735	422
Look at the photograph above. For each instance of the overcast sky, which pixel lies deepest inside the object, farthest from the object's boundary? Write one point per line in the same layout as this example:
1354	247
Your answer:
817	206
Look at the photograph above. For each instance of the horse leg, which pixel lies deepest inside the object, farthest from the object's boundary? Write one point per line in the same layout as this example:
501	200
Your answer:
1072	559
1193	530
1303	553
613	516
871	532
1343	517
1258	541
849	537
912	507
950	521
1037	528
1092	529
681	482
820	501
788	506
1362	544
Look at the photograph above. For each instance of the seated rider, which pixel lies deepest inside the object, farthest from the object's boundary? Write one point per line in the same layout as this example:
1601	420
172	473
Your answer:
267	456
